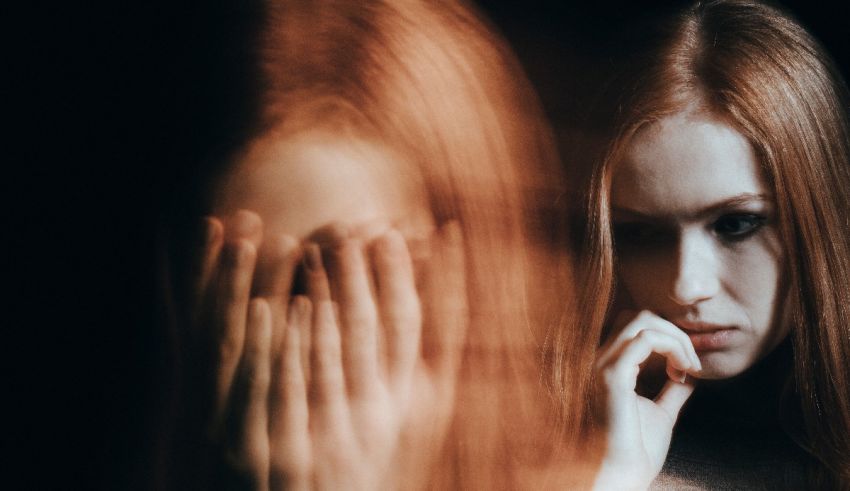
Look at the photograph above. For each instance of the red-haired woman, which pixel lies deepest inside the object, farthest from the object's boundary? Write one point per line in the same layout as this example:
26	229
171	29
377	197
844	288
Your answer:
717	244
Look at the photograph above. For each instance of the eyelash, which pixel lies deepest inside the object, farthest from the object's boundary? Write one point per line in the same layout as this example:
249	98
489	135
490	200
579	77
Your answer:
646	234
753	222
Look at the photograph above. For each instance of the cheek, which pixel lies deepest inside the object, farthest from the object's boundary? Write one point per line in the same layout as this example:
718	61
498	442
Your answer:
643	279
754	279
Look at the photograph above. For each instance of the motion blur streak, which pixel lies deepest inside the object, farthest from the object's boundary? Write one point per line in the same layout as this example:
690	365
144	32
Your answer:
380	110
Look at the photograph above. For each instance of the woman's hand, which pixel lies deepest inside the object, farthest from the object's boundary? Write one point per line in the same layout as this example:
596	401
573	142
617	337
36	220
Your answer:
231	348
639	429
339	388
371	386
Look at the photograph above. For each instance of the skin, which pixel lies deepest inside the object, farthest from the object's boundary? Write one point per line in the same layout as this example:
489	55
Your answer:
351	383
305	181
696	239
699	265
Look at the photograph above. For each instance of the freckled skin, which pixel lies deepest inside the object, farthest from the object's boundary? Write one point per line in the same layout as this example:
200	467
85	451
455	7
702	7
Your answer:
707	248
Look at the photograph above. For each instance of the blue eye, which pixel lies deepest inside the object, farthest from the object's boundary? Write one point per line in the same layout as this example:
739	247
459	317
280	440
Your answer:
738	226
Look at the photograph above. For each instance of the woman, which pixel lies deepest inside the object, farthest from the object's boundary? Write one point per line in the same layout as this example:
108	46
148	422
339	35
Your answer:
379	123
716	238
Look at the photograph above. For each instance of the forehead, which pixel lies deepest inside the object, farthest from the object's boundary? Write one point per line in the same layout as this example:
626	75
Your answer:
303	182
683	163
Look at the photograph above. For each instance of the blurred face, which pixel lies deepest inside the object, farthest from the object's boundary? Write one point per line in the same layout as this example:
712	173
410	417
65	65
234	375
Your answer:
304	182
696	239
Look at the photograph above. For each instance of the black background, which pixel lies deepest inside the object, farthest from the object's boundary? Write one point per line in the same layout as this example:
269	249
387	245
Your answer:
108	108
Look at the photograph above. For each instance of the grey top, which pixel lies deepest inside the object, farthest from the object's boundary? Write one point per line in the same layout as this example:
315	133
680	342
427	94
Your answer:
729	435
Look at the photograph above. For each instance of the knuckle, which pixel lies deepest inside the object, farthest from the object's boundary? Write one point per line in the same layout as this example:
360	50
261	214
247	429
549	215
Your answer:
646	336
645	316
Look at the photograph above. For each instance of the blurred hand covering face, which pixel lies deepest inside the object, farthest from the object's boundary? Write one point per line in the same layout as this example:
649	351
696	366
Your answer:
413	119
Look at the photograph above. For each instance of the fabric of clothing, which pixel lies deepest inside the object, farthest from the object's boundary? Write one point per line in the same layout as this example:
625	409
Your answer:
730	435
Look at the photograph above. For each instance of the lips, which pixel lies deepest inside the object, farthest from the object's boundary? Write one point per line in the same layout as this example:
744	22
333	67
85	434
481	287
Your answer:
707	336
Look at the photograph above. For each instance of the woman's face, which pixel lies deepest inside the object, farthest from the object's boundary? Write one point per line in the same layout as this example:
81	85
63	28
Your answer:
307	181
696	239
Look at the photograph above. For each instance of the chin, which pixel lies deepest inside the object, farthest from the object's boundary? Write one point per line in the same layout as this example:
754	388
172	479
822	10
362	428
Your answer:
719	365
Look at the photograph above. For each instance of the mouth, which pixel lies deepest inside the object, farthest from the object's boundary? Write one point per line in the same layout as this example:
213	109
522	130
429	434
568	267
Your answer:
707	336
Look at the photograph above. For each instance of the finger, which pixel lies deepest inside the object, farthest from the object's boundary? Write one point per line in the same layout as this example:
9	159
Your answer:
673	396
621	375
206	264
622	333
331	235
633	323
327	390
446	310
233	284
318	288
668	327
244	224
305	334
399	304
249	416
655	322
358	315
277	260
420	250
289	430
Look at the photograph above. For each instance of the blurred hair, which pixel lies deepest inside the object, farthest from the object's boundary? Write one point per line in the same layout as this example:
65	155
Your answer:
431	81
763	74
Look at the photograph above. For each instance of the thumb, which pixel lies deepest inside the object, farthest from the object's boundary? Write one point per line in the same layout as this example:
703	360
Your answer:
674	395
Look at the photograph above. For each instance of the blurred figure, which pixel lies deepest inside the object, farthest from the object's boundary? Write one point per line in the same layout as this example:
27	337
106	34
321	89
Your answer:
376	319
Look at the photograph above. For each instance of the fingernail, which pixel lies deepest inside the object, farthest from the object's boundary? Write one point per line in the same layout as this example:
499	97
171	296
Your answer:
313	257
678	375
281	245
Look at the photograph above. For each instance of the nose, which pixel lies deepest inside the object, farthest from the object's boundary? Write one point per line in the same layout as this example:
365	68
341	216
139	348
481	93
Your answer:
697	277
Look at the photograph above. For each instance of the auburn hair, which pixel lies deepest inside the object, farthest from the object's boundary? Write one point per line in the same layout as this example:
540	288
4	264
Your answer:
762	73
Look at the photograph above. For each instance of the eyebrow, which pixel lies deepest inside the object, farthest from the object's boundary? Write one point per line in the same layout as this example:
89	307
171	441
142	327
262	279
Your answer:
731	202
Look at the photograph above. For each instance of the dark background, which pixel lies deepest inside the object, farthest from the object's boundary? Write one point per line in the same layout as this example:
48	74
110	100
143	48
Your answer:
111	108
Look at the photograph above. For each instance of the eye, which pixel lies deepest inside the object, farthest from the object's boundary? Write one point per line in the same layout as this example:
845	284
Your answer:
738	226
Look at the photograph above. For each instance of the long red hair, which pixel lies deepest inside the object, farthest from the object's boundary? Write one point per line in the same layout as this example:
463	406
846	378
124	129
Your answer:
762	73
